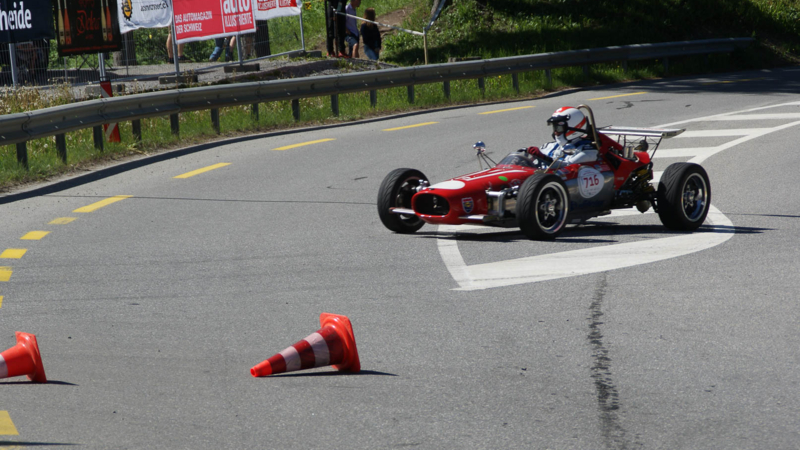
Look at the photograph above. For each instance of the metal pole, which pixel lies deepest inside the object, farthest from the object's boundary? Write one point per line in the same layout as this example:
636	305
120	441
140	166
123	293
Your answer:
239	47
425	44
302	37
12	56
175	49
102	58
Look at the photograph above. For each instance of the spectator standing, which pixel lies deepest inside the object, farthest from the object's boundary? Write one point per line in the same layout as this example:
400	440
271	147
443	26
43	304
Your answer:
352	33
335	27
371	36
170	56
219	44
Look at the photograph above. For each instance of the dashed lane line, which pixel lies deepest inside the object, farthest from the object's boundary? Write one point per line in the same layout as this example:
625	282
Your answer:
34	235
62	220
13	253
203	170
617	96
97	205
7	427
303	144
505	110
410	126
5	273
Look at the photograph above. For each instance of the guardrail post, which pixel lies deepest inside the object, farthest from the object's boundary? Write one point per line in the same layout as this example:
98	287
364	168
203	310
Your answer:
515	82
586	70
215	120
175	123
373	98
666	65
482	85
625	67
335	104
411	93
136	127
296	109
446	86
549	76
99	137
254	112
61	147
22	154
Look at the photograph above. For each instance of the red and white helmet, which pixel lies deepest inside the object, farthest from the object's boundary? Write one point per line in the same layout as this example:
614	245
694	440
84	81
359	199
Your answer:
569	122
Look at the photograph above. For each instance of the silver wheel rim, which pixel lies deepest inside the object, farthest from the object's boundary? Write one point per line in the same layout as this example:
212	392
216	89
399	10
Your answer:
551	207
694	197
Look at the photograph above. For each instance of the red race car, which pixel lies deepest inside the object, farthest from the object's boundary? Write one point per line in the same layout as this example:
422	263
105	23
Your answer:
541	193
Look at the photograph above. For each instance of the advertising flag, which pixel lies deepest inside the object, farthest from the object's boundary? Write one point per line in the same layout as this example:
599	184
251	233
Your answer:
135	14
270	9
197	20
25	20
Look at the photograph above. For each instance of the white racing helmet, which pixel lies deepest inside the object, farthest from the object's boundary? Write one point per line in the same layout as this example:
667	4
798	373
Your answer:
568	124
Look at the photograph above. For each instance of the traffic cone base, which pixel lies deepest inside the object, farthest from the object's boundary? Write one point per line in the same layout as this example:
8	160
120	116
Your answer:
23	359
333	344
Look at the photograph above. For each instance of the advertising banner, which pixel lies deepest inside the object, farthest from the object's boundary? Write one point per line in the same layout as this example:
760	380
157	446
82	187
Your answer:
135	14
25	20
86	26
270	9
198	20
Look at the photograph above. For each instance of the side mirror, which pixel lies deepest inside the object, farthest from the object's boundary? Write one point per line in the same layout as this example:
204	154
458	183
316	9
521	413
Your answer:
479	146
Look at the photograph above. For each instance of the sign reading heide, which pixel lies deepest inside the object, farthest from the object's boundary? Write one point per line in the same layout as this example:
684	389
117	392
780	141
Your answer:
197	20
270	9
135	14
25	20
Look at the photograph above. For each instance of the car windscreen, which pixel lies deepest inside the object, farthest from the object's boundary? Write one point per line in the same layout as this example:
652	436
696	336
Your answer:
516	159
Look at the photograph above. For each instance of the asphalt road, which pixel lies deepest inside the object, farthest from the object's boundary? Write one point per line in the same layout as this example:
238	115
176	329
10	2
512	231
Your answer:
150	310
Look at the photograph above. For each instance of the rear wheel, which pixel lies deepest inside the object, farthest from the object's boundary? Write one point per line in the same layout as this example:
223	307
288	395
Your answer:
395	192
684	196
542	206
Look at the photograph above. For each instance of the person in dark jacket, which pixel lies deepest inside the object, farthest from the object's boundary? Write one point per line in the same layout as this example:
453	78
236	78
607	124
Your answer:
371	36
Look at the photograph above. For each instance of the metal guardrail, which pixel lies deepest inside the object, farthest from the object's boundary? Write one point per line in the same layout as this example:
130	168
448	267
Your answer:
55	121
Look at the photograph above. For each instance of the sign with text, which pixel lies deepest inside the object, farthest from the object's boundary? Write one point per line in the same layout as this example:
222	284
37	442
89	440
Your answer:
198	20
270	9
135	14
86	26
25	20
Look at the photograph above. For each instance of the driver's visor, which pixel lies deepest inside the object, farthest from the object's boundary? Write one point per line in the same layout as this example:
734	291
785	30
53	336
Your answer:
560	125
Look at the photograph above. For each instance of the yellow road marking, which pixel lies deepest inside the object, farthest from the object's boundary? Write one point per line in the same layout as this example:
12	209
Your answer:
95	206
13	253
7	427
730	81
34	235
5	273
1	301
287	147
621	95
203	170
62	220
504	110
410	126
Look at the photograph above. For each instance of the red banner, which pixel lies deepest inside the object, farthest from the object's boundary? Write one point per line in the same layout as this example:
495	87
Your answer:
198	20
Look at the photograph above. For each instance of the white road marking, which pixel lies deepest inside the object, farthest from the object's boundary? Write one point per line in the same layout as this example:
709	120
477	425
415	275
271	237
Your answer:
552	266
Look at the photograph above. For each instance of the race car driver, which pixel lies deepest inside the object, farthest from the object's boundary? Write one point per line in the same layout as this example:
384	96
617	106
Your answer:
571	146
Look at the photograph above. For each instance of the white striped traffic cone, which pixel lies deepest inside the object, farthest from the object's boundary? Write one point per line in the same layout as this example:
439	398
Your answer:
23	359
334	343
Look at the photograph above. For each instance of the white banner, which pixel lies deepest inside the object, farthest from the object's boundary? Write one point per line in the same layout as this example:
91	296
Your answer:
135	14
270	9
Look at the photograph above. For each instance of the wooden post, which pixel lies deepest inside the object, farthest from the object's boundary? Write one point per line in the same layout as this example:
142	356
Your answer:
335	104
254	111
136	128
61	147
215	121
373	98
411	94
482	85
175	123
296	109
666	66
446	86
22	154
549	76
515	82
99	137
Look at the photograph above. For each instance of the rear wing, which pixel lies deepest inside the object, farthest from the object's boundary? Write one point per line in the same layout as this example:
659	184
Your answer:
650	138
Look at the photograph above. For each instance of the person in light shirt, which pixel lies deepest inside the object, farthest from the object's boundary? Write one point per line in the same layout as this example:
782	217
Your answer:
352	34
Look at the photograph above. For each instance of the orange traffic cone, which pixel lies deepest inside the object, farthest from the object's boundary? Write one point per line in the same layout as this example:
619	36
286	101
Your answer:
23	359
334	343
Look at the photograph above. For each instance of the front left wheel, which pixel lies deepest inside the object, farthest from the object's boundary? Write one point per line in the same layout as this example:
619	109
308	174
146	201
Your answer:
395	192
542	206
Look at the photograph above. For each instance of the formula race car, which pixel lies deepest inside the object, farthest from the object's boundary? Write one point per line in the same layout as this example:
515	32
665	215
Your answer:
541	195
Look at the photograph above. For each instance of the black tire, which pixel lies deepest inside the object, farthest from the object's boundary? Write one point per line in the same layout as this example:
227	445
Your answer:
395	192
542	206
684	196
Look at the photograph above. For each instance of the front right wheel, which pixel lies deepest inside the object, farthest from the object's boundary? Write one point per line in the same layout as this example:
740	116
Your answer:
684	196
542	206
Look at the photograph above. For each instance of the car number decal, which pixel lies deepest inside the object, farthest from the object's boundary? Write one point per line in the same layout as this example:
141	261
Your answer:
590	182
